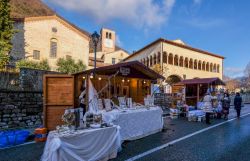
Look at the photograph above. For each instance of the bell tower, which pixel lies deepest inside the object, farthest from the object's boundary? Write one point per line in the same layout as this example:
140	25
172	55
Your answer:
107	40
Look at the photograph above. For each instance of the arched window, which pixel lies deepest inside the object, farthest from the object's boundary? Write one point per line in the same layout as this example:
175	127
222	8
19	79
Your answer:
53	48
191	64
199	65
186	62
165	57
147	63
207	67
211	67
110	36
195	64
144	61
181	61
176	59
170	59
151	60
214	68
159	58
218	68
204	65
154	59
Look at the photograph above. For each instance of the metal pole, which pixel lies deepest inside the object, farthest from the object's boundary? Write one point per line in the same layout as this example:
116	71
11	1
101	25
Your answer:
95	44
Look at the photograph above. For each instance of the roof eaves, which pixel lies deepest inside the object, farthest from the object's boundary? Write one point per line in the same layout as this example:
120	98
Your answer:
176	44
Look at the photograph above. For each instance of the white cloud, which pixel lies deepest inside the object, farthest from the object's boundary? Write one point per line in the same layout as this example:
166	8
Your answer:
141	13
197	1
118	40
234	72
205	22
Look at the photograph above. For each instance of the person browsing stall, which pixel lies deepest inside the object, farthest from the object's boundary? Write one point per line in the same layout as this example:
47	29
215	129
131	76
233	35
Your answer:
207	100
226	105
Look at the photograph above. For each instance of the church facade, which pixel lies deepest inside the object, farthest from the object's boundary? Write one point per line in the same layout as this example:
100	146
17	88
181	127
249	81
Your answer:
50	38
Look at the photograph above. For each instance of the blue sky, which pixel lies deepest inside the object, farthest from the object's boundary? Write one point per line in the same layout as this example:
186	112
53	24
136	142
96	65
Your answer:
218	26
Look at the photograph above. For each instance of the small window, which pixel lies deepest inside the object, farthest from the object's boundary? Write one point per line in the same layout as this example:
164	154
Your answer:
68	57
54	29
110	36
53	48
107	35
113	60
36	54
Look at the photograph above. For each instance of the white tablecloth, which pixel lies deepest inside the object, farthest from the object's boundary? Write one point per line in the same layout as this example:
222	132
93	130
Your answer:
196	113
137	123
83	145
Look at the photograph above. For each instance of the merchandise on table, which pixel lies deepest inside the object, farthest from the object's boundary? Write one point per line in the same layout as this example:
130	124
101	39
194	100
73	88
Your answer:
87	144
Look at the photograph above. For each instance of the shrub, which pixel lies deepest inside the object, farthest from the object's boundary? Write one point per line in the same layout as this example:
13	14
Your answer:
43	65
69	66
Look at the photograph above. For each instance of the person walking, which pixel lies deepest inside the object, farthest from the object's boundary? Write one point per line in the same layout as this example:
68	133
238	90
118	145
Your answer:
237	104
226	105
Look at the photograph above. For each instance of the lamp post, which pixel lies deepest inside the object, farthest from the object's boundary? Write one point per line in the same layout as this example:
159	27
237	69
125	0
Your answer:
95	38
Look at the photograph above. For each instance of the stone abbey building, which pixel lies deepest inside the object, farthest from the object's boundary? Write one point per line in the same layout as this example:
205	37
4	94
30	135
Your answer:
177	61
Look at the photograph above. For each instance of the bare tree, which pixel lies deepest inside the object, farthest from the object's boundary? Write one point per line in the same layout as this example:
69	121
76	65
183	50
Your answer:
247	79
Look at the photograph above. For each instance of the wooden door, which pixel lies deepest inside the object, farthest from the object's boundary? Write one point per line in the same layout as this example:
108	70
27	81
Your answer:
58	95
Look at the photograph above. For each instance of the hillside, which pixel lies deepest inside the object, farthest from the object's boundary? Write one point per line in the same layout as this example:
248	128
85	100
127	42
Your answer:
29	8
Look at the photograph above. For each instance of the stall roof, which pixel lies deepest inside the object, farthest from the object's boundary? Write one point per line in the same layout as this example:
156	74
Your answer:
215	80
137	70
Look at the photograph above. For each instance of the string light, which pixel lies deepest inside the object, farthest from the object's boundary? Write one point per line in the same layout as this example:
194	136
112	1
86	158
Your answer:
83	77
123	80
144	81
128	80
99	78
91	76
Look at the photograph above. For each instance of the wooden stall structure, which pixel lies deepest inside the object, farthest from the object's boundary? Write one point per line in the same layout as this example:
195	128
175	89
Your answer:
58	95
195	89
129	79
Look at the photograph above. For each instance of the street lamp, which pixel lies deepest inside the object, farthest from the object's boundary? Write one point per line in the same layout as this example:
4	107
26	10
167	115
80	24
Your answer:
95	38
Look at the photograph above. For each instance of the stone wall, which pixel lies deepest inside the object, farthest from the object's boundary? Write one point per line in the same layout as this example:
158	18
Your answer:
32	79
20	109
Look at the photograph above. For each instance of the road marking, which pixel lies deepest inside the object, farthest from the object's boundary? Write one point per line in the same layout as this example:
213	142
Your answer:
180	139
31	142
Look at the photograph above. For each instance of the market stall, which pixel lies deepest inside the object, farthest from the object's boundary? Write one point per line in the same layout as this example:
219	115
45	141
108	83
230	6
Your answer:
123	87
195	89
122	94
200	96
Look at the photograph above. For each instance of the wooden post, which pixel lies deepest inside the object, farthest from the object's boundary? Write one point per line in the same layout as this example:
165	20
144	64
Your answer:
87	92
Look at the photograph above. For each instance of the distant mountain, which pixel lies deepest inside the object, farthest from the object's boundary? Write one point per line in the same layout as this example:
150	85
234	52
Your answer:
226	78
29	8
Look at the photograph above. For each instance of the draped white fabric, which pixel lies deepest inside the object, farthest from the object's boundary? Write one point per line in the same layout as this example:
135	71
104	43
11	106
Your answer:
137	123
93	98
83	145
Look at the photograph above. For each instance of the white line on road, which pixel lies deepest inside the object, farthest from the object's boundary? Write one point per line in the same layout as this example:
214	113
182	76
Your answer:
180	139
31	142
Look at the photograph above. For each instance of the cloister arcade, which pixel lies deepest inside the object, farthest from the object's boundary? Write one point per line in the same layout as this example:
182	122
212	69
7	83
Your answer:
180	61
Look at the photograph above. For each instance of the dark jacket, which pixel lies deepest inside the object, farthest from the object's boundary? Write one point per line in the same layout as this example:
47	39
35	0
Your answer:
226	104
237	102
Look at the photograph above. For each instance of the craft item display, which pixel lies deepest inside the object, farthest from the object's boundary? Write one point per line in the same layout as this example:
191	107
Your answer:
89	119
69	117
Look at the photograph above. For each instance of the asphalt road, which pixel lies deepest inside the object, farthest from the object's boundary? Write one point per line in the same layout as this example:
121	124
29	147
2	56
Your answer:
228	142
